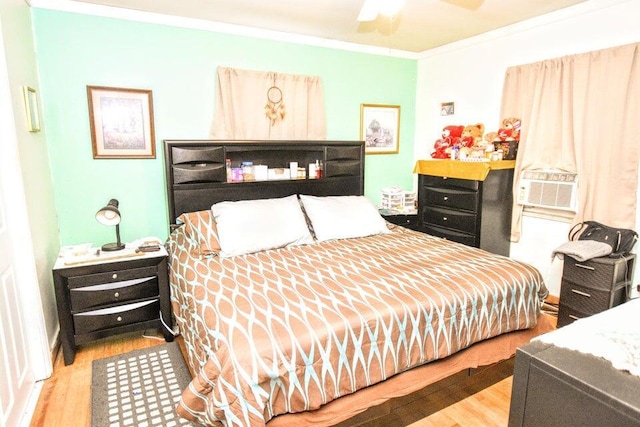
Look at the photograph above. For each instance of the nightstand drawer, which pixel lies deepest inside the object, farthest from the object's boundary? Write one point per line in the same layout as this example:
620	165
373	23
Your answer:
455	199
456	220
112	293
110	277
600	273
106	318
589	300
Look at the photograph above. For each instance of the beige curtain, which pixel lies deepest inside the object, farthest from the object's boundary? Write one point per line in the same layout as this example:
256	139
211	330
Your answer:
581	113
268	105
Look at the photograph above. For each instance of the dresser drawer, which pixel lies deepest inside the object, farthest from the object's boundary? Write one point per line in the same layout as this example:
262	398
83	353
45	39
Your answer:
445	182
112	293
590	300
457	220
449	198
600	273
110	277
106	318
454	236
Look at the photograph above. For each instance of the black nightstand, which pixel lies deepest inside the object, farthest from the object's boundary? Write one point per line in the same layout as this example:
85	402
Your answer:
408	220
589	287
109	294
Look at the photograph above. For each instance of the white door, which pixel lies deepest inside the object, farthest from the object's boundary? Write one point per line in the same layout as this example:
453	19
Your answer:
22	356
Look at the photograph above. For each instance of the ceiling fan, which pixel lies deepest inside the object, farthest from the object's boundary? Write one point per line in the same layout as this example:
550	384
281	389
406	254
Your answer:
371	9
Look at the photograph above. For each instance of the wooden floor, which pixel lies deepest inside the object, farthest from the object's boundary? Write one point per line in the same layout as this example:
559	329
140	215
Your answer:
66	396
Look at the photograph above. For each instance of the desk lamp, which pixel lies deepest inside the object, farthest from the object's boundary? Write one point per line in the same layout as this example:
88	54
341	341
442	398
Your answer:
110	215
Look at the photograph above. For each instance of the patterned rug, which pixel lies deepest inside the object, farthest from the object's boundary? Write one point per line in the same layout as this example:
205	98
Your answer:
140	388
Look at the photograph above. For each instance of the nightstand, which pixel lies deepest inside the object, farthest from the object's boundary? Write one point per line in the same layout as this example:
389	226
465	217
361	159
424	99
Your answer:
589	287
408	220
110	293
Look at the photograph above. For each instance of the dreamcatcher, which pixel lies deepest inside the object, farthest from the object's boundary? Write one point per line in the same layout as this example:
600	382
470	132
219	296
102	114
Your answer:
274	109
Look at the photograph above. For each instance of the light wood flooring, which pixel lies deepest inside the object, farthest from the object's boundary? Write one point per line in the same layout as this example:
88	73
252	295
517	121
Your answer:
66	396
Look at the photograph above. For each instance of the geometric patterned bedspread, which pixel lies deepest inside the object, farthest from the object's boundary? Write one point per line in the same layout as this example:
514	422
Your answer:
291	329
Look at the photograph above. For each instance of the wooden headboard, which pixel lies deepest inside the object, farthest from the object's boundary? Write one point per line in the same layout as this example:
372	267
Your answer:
196	175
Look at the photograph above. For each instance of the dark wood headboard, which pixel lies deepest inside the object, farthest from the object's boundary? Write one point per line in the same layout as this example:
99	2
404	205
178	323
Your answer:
196	175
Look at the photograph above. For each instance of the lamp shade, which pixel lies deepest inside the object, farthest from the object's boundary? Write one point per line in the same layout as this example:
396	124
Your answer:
110	215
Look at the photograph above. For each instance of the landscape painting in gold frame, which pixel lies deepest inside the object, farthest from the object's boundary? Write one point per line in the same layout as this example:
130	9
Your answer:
121	123
380	128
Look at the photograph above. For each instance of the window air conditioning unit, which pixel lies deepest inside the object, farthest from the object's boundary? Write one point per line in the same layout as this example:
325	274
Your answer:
548	189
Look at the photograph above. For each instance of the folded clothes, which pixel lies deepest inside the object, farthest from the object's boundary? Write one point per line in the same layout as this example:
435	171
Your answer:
581	250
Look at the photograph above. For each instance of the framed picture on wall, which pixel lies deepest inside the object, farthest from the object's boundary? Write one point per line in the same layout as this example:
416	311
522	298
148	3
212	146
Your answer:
380	128
31	108
121	123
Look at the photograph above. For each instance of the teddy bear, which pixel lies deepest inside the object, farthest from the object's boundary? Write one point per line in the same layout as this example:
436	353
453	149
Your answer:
450	137
510	130
472	135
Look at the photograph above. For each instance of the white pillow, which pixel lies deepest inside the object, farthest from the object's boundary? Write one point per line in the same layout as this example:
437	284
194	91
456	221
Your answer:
343	217
249	226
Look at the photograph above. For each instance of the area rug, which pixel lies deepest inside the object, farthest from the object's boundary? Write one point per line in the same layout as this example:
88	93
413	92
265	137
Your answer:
139	388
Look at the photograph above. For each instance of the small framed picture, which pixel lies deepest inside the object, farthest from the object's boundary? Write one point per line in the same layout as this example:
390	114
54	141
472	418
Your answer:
380	128
447	109
121	123
31	108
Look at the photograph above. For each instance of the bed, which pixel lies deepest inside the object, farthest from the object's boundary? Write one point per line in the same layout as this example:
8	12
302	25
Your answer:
346	312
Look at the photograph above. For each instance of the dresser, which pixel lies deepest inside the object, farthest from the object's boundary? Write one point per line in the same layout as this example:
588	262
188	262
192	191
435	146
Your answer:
589	287
467	202
109	293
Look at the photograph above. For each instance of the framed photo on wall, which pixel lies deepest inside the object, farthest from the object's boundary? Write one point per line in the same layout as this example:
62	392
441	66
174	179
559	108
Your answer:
31	108
121	123
380	128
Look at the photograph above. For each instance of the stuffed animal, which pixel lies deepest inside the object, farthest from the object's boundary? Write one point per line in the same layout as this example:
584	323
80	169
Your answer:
472	135
510	130
450	137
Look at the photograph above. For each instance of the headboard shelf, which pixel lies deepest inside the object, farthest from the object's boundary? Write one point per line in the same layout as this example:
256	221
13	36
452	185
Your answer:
196	176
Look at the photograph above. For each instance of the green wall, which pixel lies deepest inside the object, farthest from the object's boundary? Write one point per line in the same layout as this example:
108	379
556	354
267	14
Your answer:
179	66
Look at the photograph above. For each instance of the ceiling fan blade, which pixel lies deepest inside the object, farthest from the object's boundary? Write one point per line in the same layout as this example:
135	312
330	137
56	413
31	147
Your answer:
369	11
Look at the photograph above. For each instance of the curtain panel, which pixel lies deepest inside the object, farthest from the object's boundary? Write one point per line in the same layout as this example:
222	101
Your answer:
581	114
267	105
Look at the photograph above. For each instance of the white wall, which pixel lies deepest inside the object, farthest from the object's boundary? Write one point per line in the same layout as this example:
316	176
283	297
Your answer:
471	73
34	158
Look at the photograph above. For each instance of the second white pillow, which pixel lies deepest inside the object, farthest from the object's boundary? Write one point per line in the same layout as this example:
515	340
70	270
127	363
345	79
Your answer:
343	217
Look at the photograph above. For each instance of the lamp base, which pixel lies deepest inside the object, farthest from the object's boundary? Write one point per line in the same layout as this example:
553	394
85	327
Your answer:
109	247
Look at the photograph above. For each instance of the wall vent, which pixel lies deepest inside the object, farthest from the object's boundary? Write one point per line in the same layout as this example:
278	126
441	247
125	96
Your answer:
548	189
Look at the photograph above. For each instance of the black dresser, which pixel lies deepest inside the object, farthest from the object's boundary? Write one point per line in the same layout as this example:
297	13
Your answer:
467	202
589	287
553	386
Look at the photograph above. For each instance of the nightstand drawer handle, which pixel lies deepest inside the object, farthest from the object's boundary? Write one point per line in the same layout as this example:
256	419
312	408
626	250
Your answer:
116	295
445	198
584	294
115	276
119	318
586	267
444	218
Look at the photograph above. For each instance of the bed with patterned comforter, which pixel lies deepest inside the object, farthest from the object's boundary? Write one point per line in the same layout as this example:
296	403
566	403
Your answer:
291	329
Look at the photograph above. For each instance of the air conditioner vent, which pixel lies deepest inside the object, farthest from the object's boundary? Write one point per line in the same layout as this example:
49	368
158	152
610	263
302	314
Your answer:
548	189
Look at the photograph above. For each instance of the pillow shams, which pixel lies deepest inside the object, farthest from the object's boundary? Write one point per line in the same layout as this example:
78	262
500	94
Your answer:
251	226
343	217
201	227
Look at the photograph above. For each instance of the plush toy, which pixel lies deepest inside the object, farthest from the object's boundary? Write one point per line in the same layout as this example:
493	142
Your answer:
450	137
510	130
472	135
